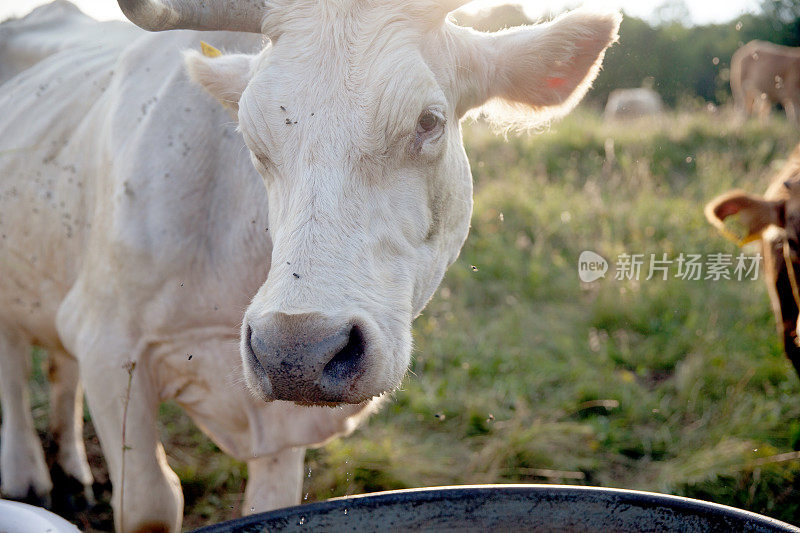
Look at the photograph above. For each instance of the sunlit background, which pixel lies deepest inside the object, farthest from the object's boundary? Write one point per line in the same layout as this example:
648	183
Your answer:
698	12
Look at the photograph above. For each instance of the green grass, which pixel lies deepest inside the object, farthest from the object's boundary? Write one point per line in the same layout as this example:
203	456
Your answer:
523	374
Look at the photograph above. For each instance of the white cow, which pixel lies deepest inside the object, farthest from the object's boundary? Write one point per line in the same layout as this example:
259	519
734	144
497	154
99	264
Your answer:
135	223
632	103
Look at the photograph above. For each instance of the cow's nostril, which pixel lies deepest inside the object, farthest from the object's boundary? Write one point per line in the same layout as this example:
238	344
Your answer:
344	364
249	340
253	355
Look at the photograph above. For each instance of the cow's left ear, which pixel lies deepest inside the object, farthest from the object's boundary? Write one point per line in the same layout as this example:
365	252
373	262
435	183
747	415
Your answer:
755	214
541	71
223	76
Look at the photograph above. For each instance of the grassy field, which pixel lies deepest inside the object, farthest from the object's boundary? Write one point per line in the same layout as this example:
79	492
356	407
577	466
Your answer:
521	373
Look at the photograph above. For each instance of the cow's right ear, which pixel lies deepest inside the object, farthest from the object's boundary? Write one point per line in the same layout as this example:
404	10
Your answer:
528	75
223	76
755	214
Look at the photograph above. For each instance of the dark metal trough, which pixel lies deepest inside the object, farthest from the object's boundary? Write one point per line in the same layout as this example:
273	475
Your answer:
508	508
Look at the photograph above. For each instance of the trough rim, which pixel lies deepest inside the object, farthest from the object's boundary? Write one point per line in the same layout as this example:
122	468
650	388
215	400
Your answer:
616	495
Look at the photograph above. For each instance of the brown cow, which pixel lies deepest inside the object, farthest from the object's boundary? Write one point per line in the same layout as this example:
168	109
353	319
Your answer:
774	219
764	73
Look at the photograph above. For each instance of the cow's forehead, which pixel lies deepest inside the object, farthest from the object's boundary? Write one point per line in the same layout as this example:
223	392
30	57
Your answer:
352	40
366	94
353	17
354	46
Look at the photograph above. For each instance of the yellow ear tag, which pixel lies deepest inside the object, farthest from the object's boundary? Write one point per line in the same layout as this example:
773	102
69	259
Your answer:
751	238
734	238
730	236
208	50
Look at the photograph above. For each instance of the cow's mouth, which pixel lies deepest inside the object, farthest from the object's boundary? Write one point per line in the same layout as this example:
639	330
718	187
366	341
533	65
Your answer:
309	370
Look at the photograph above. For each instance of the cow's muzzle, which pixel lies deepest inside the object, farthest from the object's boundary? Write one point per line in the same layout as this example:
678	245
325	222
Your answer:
306	358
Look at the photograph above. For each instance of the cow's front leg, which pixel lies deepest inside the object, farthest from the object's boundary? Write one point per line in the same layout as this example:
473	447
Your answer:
790	108
146	492
22	467
66	421
274	481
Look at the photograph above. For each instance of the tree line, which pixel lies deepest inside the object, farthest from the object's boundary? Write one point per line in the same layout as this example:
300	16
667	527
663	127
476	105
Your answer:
683	62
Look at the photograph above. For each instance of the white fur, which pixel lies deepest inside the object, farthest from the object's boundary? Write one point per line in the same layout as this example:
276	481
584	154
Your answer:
135	229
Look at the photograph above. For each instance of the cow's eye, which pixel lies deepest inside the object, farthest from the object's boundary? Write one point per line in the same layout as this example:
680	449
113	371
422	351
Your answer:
430	127
427	122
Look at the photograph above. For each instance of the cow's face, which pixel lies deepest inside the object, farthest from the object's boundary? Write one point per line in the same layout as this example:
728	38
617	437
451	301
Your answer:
774	219
352	118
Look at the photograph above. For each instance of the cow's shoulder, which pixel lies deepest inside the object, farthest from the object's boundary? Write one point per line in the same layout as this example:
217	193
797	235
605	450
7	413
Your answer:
173	154
54	28
177	195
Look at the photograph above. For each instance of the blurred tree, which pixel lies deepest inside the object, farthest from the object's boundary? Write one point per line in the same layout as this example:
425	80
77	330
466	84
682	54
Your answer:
686	62
785	11
690	61
630	61
784	16
672	12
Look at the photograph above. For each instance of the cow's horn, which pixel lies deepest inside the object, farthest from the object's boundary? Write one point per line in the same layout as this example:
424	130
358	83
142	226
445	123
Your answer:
160	15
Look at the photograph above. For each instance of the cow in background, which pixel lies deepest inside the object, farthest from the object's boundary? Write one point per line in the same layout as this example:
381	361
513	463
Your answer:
633	103
763	74
774	219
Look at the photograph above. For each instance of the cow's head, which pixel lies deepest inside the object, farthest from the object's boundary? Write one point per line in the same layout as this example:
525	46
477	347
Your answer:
351	116
778	208
755	214
775	220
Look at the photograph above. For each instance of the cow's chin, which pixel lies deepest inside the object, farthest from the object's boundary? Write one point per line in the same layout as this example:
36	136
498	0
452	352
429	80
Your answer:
372	383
